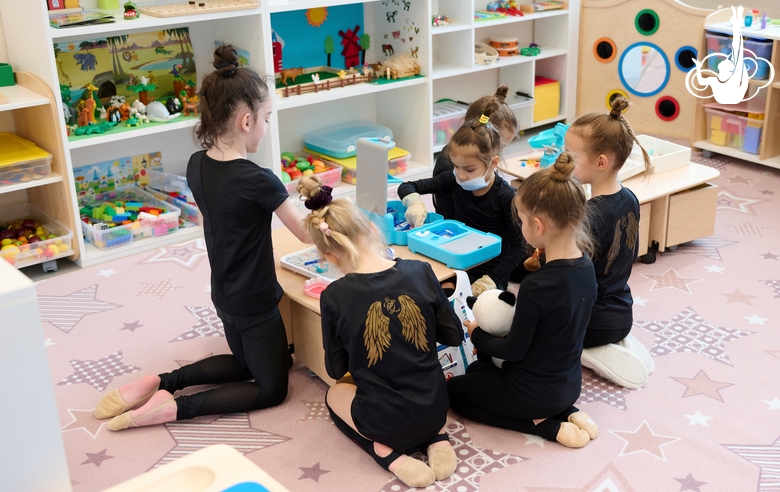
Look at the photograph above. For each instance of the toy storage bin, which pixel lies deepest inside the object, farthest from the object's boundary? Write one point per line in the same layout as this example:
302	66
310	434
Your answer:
395	234
547	98
664	155
753	129
21	160
725	129
397	162
398	165
341	140
189	212
49	248
112	237
454	244
161	184
331	178
721	43
447	118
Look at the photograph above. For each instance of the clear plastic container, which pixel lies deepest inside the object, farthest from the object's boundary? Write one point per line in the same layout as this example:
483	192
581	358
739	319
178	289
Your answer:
331	177
21	160
753	130
447	118
721	43
725	129
173	189
56	244
341	140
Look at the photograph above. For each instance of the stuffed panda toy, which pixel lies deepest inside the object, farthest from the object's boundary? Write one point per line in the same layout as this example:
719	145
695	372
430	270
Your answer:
493	311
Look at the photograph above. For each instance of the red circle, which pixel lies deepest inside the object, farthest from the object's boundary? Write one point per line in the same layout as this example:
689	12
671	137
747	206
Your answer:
676	108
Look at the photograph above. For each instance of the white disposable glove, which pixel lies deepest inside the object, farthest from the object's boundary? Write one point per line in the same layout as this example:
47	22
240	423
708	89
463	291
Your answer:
481	285
416	213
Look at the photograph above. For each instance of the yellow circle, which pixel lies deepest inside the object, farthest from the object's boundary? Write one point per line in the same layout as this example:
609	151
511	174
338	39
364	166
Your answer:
613	93
317	16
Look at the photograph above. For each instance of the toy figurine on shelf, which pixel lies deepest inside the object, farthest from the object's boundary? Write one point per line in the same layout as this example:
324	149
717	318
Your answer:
142	89
178	81
190	88
190	104
130	11
68	113
440	20
173	105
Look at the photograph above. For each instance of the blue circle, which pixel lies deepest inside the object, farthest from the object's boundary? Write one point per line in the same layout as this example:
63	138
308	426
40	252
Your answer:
677	58
623	80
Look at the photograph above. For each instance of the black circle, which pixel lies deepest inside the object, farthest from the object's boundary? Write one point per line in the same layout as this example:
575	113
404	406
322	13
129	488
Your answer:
667	108
646	22
685	58
604	50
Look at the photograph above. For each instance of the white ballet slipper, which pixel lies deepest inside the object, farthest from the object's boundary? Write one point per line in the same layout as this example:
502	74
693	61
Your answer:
617	364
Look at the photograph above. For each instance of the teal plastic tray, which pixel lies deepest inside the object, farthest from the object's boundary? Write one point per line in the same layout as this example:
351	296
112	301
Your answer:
454	244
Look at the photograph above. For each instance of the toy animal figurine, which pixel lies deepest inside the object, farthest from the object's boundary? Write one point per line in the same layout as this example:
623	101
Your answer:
130	11
102	112
290	73
156	111
132	121
175	70
83	119
144	80
173	105
190	106
116	101
342	74
367	71
494	311
113	115
315	78
152	78
90	105
124	111
138	106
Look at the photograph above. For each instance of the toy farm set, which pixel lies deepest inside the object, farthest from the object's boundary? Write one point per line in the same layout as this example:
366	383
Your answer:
324	48
121	82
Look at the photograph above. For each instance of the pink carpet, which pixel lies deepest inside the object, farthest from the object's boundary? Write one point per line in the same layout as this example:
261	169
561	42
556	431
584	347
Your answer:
708	420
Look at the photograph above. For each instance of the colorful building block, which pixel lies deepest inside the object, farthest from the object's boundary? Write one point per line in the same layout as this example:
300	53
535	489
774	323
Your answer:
718	137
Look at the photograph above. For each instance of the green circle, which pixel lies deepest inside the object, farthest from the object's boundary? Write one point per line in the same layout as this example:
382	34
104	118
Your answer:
647	22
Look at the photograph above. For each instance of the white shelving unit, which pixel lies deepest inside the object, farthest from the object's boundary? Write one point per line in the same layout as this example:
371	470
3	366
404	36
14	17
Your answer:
445	55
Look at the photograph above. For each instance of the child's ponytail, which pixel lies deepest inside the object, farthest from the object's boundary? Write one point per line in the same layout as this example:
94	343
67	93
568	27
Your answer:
495	107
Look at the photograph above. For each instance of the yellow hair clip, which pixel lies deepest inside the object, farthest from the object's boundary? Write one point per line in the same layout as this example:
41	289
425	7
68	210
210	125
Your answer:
484	119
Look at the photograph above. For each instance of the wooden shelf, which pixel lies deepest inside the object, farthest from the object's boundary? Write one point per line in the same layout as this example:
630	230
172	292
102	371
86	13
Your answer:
21	98
92	255
344	92
770	32
444	71
776	85
524	18
122	133
143	23
732	152
54	178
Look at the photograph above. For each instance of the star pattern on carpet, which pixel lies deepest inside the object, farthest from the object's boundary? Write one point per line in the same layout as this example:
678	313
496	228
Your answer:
766	458
107	273
159	289
718	164
98	373
98	458
84	419
775	284
708	247
748	228
701	384
532	439
730	201
643	439
473	463
767	192
671	279
209	324
773	353
313	472
131	326
317	410
738	296
609	479
48	343
755	320
774	403
638	301
690	483
187	254
769	256
698	419
714	269
596	388
688	332
233	429
65	312
739	179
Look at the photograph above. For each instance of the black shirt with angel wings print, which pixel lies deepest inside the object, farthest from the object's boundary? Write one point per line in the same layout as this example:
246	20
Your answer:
383	328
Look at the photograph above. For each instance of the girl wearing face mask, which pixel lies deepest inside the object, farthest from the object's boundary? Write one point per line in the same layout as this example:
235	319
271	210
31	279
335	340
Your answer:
481	199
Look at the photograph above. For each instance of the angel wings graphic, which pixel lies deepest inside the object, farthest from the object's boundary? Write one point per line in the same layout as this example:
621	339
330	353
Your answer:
376	336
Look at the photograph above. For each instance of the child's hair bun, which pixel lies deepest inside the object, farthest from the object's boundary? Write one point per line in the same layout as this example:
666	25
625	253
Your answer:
501	93
316	196
619	104
563	167
226	60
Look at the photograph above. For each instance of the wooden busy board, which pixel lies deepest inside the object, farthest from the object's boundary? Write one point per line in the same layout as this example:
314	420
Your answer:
209	6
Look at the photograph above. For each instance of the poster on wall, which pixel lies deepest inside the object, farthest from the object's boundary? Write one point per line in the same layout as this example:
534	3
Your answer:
110	175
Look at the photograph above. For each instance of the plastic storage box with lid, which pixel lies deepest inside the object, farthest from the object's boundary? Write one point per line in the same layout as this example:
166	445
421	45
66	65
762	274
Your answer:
547	98
725	128
394	225
454	244
447	118
162	185
397	163
341	140
56	244
331	177
761	48
97	226
21	160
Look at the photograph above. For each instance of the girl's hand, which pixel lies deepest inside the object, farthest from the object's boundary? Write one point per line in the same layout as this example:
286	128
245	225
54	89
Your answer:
471	326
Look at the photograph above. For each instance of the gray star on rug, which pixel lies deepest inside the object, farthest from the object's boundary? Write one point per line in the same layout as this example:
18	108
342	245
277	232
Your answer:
98	373
707	247
769	256
65	312
233	429
84	419
764	457
131	326
775	284
97	458
688	332
187	254
739	179
596	388
317	410
209	324
473	463
730	201
313	472
690	483
767	192
701	384
748	228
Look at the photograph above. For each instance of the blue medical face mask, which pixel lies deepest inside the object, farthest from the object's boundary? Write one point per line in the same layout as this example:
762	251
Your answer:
473	184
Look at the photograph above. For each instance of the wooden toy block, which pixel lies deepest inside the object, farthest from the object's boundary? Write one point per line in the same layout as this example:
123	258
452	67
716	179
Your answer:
199	7
718	137
716	123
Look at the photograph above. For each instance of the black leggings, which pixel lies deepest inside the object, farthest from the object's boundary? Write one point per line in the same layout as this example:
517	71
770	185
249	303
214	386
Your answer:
259	346
597	338
483	395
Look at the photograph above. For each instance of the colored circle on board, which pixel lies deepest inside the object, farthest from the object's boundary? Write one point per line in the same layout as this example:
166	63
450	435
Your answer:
647	22
611	95
684	58
667	108
605	50
640	66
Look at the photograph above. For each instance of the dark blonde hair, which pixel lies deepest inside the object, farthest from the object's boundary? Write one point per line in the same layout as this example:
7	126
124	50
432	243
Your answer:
555	193
494	107
609	134
483	137
348	228
221	93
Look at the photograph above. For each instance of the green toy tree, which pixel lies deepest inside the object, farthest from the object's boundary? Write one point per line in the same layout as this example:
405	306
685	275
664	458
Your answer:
365	43
329	47
142	91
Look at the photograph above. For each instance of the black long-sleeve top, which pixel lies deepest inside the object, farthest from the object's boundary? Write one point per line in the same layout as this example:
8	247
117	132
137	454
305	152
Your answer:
491	212
443	203
615	226
545	341
383	328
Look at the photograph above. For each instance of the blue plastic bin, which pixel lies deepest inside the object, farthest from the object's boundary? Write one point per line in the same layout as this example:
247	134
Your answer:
454	244
395	214
721	43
